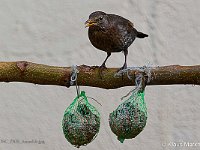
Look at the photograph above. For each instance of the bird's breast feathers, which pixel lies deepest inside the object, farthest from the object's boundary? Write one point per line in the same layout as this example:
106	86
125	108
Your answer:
106	40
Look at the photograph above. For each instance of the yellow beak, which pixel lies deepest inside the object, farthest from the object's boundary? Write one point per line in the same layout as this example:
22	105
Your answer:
90	23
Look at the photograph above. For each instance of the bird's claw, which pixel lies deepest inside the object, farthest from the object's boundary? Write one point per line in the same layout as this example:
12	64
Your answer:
101	68
122	68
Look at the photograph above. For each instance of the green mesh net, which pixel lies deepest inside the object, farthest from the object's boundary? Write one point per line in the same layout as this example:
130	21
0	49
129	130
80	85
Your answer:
81	121
129	119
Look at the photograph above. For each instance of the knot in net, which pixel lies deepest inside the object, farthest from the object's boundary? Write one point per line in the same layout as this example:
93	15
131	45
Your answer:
130	117
81	121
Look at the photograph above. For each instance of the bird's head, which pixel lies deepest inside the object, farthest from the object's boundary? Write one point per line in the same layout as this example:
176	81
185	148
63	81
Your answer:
98	19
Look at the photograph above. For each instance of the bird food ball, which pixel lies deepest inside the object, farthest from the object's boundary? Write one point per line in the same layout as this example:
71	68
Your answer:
81	121
129	119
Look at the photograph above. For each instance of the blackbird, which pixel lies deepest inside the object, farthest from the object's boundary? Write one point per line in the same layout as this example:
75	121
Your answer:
111	33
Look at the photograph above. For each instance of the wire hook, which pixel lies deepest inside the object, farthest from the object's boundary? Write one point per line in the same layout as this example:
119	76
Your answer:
73	79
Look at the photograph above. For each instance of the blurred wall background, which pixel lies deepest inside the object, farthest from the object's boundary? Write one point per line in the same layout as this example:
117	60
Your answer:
53	33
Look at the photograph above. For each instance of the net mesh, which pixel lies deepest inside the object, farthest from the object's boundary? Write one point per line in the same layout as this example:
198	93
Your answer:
81	121
129	119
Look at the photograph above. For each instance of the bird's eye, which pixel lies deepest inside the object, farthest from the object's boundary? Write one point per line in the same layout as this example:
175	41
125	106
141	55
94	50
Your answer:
101	18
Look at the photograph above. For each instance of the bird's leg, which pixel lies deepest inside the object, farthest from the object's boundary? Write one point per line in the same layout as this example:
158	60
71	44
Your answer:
103	66
125	64
104	62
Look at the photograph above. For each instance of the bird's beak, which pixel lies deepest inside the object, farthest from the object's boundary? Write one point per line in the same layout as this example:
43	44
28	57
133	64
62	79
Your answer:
90	23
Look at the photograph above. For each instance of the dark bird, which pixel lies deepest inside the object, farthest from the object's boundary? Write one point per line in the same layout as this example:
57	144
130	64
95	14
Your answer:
111	33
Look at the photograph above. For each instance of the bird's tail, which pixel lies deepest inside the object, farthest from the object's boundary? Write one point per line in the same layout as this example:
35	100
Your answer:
141	35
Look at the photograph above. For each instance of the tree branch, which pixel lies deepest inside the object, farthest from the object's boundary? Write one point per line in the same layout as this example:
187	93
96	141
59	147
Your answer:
23	71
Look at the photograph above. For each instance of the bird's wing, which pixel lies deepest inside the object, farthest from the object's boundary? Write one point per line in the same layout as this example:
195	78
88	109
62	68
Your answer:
123	29
119	20
130	25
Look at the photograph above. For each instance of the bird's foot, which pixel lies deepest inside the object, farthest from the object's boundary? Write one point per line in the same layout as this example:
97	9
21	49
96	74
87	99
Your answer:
122	68
101	69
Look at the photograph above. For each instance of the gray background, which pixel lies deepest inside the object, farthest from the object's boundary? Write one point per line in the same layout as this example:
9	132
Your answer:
53	33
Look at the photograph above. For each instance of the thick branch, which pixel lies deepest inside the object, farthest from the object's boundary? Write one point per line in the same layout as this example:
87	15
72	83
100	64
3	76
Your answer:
23	71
